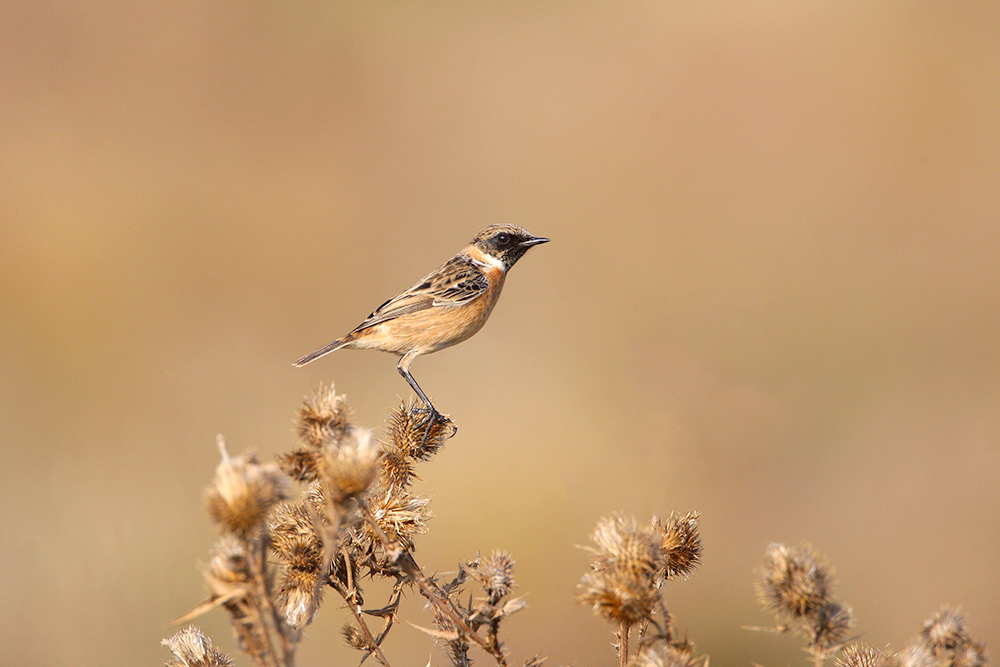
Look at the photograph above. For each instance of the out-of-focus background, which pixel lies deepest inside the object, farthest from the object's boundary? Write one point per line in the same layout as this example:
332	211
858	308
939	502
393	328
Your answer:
772	296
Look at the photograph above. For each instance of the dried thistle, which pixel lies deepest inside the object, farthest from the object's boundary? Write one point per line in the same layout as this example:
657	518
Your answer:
945	631
300	464
861	655
243	491
631	564
323	417
355	638
796	584
618	597
827	627
193	649
666	654
399	514
496	574
299	596
795	581
228	565
914	655
293	536
946	636
407	430
350	466
680	544
623	547
398	469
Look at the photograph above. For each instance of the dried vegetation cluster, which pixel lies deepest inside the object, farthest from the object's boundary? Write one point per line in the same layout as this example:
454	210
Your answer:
796	584
340	509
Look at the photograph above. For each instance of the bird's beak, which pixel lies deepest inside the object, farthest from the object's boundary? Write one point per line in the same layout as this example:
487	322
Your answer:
534	240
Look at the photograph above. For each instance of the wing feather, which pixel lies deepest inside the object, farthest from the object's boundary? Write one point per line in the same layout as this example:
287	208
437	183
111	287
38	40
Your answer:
456	282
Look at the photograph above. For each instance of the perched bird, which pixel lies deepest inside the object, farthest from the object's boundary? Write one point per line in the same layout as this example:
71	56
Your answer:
445	307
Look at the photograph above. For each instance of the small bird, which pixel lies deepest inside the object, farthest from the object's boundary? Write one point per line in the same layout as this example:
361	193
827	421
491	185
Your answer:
445	307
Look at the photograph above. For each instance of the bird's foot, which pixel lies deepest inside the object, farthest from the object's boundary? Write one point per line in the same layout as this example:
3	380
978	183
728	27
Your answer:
432	434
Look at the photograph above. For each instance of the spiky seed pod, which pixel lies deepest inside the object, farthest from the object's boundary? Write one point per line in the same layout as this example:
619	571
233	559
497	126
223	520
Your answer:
663	654
301	464
193	649
227	564
497	575
624	547
972	654
618	597
299	596
399	514
534	661
861	655
243	491
406	428
323	417
351	467
680	543
397	467
794	581
827	626
945	631
293	536
946	636
355	638
914	655
315	496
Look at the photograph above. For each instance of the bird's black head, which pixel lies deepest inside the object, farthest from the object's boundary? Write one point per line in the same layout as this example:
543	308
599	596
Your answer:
507	243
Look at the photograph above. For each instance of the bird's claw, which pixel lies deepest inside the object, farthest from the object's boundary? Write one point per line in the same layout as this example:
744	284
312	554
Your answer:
432	416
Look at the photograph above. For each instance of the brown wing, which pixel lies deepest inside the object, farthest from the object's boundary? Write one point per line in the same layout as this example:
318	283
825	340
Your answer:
457	281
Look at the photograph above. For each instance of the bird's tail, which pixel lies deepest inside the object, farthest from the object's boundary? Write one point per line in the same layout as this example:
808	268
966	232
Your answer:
326	349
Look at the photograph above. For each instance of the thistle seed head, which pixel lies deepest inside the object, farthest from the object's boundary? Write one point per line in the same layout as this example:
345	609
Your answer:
664	654
827	627
680	543
227	564
243	491
914	655
945	631
299	597
618	597
397	467
861	655
355	638
323	417
351	467
946	636
624	547
399	514
795	581
301	464
293	537
496	574
193	649
406	429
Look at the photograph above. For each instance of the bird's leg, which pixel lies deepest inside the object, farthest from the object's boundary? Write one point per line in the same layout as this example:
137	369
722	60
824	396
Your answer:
432	414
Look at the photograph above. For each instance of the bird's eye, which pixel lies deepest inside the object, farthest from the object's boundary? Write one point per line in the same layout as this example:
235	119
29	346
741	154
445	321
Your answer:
503	238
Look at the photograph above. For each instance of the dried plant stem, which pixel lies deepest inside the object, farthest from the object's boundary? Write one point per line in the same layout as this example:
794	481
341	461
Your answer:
623	644
369	638
492	635
405	560
270	619
388	612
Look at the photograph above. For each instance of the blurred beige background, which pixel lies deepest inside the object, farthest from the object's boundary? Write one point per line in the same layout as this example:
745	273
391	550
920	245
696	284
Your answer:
772	295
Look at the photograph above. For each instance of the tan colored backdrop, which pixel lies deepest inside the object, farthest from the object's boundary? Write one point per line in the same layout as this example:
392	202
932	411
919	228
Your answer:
772	295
